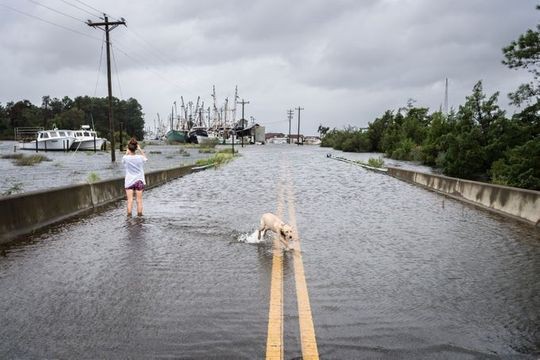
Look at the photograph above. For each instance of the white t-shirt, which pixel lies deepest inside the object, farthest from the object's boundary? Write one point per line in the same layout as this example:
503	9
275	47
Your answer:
134	165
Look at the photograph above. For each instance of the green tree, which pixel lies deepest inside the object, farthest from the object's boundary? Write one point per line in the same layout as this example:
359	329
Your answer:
524	53
519	167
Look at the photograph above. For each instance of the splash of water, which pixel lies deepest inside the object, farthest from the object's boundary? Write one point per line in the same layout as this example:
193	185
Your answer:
250	238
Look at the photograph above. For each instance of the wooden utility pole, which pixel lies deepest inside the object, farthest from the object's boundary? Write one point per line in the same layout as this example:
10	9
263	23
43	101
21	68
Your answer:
290	114
243	103
108	26
298	139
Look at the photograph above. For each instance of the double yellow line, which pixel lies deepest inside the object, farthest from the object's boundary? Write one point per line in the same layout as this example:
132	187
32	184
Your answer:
274	342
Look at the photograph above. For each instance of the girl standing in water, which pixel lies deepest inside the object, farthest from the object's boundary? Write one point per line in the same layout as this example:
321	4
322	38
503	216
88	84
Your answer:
134	181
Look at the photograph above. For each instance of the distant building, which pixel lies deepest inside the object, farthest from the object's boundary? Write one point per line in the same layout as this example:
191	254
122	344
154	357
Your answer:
253	134
276	138
312	140
295	137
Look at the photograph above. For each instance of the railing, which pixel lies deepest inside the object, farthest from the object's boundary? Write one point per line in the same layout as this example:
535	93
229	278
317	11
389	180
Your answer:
26	133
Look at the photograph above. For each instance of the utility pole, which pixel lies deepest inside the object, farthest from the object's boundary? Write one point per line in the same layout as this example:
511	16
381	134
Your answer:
243	103
108	26
290	114
446	97
298	139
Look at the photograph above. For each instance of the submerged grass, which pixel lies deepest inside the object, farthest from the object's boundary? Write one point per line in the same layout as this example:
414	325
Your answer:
376	162
218	159
93	177
30	160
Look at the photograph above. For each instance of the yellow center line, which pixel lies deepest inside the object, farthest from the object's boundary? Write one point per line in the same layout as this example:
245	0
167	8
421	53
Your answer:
307	329
274	340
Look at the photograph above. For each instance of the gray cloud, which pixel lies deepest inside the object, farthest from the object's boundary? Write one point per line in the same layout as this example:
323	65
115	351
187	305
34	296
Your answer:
344	61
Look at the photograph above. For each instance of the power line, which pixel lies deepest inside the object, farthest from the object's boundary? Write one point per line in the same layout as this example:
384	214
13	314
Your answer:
83	10
56	11
99	67
49	22
88	6
116	70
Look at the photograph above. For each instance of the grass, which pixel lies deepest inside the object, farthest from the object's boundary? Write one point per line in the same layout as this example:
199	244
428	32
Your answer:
92	178
376	162
183	152
207	151
30	160
217	159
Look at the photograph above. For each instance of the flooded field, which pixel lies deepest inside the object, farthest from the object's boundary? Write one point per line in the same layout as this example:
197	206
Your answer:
68	168
393	271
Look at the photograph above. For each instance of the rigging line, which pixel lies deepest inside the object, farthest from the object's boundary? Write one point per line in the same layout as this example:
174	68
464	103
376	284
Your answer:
83	10
99	66
49	22
56	11
117	76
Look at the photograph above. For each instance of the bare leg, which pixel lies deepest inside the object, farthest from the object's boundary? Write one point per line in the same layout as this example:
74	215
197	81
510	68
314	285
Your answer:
139	202
129	194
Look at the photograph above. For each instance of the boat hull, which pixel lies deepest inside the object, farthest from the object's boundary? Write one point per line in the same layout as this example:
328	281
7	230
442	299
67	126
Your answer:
47	145
176	136
87	144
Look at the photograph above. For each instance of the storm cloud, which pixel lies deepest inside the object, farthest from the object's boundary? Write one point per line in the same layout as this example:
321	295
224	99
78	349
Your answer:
345	62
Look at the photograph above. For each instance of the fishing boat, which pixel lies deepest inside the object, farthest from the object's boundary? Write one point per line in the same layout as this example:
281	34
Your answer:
198	135
86	139
50	140
177	136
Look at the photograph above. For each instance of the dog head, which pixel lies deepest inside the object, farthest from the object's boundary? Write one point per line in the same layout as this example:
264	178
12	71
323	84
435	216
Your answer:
287	232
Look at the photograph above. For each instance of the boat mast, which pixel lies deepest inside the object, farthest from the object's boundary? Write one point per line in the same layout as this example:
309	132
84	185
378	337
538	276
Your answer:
184	112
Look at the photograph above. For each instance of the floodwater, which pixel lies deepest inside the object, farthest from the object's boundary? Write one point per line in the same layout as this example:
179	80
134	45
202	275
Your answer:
69	168
393	271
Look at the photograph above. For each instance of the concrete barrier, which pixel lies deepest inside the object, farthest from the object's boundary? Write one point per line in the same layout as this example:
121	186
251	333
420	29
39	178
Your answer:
520	204
25	213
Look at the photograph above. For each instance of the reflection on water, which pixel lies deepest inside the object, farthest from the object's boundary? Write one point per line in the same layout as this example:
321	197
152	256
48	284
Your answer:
391	272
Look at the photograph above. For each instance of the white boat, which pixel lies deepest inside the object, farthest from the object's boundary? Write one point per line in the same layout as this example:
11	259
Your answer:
54	140
87	139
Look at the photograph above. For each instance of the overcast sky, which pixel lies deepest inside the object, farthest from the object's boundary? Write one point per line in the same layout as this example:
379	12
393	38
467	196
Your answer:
344	61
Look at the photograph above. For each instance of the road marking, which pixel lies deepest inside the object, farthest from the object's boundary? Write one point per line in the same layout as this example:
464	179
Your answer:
274	340
307	329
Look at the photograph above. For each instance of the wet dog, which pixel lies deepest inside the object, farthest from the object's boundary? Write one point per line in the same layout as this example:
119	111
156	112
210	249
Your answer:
273	223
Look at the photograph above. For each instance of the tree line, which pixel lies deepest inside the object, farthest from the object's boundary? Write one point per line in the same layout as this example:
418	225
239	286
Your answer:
478	141
67	113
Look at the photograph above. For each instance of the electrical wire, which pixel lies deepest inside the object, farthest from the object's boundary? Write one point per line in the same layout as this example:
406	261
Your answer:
56	11
116	71
88	6
85	11
49	22
99	66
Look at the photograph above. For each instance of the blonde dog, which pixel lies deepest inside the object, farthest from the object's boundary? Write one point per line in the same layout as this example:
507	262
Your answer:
273	223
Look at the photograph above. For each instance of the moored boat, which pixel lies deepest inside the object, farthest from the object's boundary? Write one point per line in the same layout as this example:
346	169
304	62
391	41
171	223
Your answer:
86	139
178	136
50	140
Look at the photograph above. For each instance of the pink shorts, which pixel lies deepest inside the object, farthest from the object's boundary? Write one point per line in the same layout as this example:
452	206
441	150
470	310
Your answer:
137	186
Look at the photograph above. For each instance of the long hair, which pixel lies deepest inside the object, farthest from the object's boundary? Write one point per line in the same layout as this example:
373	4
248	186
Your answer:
132	145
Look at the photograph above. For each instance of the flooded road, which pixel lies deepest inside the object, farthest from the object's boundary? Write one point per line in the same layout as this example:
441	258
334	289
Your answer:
392	271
